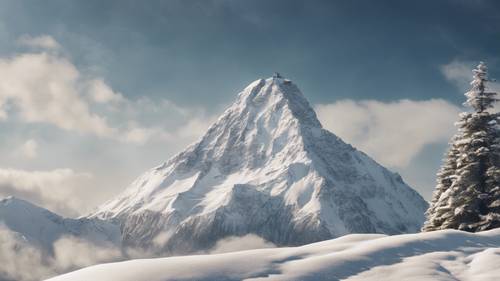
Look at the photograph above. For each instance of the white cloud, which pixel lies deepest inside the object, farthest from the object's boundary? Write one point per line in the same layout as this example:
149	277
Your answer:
240	243
161	239
161	120
59	190
458	72
393	133
140	135
19	260
23	261
88	253
100	92
42	41
195	127
29	149
43	88
3	112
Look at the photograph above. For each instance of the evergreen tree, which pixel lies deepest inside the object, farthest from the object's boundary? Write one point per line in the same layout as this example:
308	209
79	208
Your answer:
445	178
467	195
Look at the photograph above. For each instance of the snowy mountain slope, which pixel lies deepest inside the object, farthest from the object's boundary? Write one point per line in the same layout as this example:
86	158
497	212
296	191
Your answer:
41	228
266	167
441	255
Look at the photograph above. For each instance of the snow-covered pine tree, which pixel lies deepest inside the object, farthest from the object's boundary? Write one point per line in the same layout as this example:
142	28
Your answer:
445	178
467	195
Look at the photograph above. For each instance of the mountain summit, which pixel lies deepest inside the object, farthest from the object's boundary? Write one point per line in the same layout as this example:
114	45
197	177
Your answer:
265	167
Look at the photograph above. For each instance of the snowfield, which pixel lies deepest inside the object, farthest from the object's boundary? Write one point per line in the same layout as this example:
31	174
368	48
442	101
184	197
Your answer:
440	255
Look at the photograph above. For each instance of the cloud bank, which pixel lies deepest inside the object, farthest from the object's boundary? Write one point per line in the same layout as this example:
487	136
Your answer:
237	243
29	149
46	87
70	253
60	190
394	132
42	42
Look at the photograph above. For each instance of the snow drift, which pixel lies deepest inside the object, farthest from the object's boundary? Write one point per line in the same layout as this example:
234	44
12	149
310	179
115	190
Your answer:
441	255
266	167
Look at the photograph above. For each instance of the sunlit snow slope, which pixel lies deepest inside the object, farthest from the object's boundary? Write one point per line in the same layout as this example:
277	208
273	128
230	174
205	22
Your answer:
265	167
433	256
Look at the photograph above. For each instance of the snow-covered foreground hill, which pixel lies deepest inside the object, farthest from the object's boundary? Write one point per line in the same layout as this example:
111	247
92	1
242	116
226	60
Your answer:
440	255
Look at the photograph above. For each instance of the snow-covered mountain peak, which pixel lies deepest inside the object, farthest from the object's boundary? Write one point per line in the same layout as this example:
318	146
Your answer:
266	166
266	121
276	92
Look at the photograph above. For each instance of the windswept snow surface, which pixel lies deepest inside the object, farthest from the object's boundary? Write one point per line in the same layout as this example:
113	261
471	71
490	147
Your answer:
441	255
266	167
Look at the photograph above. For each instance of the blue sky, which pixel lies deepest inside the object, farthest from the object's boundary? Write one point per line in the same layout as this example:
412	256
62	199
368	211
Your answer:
334	49
140	73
